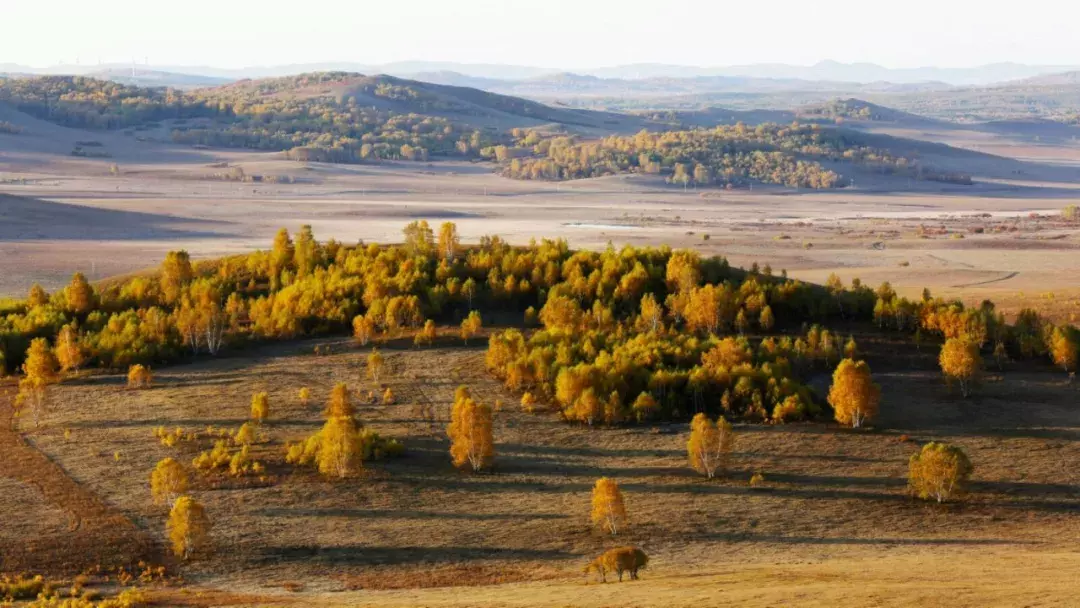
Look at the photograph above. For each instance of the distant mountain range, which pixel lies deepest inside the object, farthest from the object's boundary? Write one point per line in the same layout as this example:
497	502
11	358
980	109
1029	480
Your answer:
824	71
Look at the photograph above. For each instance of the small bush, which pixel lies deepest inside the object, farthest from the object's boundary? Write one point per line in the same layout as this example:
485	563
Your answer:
20	588
757	480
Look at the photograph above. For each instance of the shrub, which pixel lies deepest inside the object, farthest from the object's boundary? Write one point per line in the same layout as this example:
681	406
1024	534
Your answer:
139	376
939	472
260	407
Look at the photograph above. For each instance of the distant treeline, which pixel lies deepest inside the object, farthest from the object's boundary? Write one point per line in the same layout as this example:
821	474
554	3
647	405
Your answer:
731	156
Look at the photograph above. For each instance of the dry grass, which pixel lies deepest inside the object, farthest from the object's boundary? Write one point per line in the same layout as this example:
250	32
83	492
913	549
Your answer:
831	496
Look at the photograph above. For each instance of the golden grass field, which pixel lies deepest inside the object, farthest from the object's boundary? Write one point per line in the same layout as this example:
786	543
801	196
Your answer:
832	523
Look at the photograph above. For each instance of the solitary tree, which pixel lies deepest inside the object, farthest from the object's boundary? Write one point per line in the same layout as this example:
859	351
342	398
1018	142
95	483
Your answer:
470	326
375	365
188	527
472	441
168	481
608	506
260	407
340	453
139	376
305	396
960	360
854	395
710	445
939	472
39	371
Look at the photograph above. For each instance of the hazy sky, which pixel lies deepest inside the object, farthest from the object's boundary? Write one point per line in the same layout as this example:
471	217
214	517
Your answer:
545	33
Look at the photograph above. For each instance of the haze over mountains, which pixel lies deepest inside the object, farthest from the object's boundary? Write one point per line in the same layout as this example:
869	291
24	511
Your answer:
830	71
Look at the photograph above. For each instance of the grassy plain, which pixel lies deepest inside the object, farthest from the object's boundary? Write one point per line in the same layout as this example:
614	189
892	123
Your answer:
832	523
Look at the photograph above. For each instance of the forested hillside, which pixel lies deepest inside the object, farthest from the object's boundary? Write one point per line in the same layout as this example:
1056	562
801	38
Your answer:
348	118
633	334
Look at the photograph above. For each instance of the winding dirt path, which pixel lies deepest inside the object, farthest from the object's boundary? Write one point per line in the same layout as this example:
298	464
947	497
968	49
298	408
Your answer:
98	534
997	280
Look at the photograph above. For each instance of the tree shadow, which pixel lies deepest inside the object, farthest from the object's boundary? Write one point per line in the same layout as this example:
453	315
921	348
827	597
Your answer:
359	555
29	219
736	537
403	514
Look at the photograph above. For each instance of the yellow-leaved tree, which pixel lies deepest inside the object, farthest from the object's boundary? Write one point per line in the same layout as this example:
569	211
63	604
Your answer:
448	241
188	527
68	351
139	376
168	481
340	403
305	396
426	335
710	445
1063	349
472	442
853	394
37	296
375	365
363	329
960	360
939	472
260	407
79	295
471	326
39	371
340	451
608	506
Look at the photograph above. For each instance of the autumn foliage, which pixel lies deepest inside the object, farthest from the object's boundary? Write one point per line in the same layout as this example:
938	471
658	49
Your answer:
608	506
188	527
710	445
939	472
961	361
260	407
853	394
168	481
139	376
472	444
39	371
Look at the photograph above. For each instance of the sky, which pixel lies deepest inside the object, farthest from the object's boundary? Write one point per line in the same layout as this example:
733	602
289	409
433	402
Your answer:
563	34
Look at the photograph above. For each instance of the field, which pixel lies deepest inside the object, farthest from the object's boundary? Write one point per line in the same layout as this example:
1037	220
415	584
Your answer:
833	500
